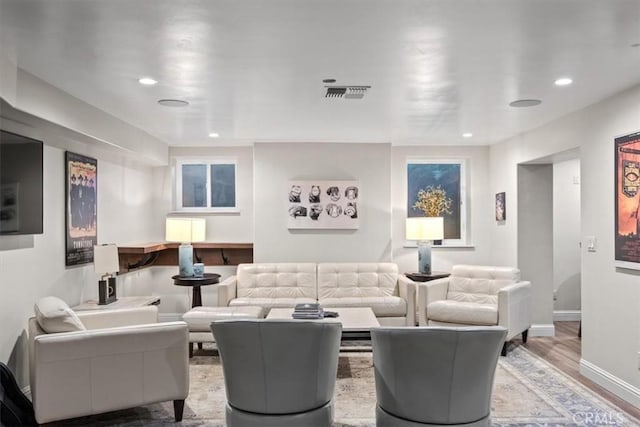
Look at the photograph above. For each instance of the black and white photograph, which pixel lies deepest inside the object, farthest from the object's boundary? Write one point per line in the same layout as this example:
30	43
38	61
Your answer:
323	204
9	219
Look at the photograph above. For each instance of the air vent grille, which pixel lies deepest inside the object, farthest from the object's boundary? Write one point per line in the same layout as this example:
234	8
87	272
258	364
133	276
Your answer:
346	92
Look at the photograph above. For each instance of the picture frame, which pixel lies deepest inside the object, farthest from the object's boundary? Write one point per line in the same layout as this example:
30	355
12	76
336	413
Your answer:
627	201
448	176
321	204
501	207
81	207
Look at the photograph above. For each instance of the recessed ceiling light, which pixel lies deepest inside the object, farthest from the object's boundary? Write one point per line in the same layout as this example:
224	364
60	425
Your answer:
173	103
520	103
213	135
467	135
147	81
563	81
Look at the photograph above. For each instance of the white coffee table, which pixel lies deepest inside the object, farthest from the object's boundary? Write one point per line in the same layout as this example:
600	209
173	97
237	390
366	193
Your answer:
356	321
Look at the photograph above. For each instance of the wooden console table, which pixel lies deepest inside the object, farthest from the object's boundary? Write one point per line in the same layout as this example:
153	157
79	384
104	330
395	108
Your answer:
121	302
134	257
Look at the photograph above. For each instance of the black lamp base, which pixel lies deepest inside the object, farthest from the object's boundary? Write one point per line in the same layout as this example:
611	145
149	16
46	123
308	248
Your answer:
107	291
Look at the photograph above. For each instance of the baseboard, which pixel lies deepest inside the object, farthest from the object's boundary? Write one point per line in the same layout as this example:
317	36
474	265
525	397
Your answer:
615	385
169	317
542	330
26	390
567	315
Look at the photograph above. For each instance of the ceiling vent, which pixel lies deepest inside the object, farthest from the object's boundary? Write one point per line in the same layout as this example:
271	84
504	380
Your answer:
346	92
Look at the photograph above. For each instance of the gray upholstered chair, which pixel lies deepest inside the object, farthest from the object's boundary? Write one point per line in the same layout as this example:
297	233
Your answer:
435	375
278	372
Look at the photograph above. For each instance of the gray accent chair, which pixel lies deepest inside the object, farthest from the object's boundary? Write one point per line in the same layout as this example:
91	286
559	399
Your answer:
278	372
433	376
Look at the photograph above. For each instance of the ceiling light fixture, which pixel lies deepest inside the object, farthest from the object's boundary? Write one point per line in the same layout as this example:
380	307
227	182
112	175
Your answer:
147	81
213	135
563	81
521	103
328	80
467	135
173	103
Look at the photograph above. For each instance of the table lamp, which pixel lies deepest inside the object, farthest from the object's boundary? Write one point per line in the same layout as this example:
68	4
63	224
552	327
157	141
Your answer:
425	230
185	231
105	263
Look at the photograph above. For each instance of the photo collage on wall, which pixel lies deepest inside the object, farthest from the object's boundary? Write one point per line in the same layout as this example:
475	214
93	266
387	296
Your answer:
323	204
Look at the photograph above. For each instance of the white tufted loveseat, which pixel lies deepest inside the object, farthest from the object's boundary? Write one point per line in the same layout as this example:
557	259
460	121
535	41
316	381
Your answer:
379	286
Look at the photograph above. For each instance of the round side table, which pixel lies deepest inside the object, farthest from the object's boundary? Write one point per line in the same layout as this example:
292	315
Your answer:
195	283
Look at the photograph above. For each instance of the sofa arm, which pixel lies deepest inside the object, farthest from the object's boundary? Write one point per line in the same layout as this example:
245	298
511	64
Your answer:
407	291
100	319
514	308
226	291
429	292
89	372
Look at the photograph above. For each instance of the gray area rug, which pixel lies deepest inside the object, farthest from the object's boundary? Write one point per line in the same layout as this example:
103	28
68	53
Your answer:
527	392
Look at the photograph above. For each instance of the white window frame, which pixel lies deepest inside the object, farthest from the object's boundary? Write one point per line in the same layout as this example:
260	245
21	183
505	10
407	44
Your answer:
207	161
464	238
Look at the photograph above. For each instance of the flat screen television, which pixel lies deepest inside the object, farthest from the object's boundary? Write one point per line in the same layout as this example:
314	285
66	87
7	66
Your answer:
20	184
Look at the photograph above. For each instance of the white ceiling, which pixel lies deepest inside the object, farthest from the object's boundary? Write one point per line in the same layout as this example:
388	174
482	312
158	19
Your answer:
252	70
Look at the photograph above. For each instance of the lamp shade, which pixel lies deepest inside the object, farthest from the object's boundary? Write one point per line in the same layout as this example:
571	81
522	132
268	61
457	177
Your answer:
425	228
185	230
105	259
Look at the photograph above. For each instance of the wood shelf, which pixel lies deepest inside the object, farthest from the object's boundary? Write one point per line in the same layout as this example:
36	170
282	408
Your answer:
137	256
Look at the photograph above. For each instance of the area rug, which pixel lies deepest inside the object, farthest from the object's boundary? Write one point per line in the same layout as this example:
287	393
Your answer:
527	392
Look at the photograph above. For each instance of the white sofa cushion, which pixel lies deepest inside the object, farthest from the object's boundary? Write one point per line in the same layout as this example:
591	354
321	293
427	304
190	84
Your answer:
479	284
387	306
357	280
54	315
269	303
276	280
199	318
464	313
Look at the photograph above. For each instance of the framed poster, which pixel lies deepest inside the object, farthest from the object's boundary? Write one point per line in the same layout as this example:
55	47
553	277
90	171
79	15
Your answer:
501	206
81	182
436	188
323	204
627	201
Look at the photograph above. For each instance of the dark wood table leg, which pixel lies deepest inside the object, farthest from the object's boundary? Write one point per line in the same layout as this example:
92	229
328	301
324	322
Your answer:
197	297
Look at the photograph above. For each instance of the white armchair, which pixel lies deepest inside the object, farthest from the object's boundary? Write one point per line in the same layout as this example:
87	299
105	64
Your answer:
478	295
109	360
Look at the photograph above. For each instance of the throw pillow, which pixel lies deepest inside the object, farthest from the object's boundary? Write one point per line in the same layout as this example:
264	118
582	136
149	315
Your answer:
54	315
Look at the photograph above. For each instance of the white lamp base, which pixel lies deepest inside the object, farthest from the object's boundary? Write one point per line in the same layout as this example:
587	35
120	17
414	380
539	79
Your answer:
424	257
185	260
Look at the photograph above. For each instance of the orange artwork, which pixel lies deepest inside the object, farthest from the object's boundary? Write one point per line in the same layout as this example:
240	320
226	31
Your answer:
627	247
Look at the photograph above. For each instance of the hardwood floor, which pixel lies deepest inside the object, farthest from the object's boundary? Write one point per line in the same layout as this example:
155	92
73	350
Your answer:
564	351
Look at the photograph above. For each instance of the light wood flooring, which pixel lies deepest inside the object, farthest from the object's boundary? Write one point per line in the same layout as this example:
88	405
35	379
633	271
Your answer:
564	351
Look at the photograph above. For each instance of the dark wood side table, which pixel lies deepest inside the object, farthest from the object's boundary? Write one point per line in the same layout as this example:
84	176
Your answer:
195	283
422	277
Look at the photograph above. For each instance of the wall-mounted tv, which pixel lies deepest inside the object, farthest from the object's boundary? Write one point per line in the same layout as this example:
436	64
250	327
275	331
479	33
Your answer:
20	184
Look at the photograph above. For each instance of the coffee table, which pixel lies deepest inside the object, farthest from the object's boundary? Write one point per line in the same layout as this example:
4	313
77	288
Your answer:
356	321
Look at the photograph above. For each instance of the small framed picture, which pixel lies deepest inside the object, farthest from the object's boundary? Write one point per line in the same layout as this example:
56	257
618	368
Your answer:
501	207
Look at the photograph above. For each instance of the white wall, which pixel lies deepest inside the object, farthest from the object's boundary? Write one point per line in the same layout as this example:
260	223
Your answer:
275	164
479	202
610	296
34	266
566	235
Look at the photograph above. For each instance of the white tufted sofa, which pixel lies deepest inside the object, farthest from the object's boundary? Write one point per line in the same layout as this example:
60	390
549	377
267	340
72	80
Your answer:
477	295
379	286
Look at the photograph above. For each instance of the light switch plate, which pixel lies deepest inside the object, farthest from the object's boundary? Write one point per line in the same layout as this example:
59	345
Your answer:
591	243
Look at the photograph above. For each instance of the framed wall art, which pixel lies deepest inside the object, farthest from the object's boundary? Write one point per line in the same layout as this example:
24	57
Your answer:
437	188
323	204
501	206
81	183
627	201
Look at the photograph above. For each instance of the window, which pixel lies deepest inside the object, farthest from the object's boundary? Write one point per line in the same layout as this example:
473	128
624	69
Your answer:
206	185
444	179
